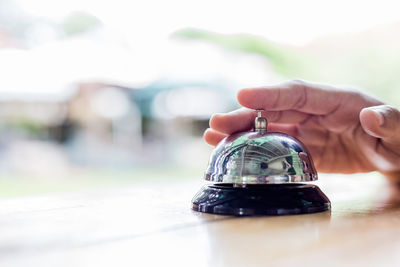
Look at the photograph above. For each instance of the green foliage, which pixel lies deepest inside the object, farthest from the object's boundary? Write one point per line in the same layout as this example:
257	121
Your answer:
284	60
79	22
26	126
371	66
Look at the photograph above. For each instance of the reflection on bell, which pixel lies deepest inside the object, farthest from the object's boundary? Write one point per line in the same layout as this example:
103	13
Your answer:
259	173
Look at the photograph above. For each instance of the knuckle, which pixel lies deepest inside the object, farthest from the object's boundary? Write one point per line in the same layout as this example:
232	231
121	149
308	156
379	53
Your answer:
301	97
297	84
351	89
298	93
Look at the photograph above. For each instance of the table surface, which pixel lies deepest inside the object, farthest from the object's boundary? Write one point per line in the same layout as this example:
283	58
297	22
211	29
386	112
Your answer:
151	224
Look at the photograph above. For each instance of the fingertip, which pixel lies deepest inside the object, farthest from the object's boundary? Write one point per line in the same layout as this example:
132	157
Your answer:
212	137
371	121
206	132
245	98
372	113
207	138
214	120
382	122
239	96
241	93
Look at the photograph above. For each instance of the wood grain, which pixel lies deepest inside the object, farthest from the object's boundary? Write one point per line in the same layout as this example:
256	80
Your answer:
153	225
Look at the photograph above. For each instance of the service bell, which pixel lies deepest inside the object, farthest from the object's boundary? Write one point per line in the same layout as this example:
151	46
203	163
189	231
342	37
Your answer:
260	173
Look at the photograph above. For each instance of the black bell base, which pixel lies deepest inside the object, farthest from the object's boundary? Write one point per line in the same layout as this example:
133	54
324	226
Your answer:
254	200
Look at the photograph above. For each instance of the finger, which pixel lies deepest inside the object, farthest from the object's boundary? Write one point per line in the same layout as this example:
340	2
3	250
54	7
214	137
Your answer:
213	137
308	136
243	119
295	95
289	129
382	122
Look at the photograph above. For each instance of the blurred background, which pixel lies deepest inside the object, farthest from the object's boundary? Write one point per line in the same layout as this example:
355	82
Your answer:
107	93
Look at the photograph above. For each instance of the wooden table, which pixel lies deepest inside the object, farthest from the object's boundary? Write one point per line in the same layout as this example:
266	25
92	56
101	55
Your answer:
153	225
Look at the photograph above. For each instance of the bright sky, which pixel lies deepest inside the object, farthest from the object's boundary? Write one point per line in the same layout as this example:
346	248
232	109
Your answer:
289	21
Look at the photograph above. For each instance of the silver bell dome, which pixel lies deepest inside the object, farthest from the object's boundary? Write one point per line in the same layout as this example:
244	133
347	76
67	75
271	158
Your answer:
260	157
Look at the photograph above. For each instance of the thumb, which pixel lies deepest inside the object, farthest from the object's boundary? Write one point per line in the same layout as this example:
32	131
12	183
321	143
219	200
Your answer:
382	122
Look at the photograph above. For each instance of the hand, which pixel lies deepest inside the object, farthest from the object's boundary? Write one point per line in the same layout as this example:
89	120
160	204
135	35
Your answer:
345	130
